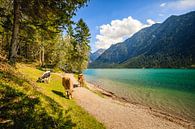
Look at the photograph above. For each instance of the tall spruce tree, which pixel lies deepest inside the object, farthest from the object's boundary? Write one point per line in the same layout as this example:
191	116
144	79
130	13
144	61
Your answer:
49	15
82	37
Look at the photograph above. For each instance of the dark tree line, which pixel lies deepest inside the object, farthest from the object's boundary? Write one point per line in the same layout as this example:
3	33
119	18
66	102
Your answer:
32	30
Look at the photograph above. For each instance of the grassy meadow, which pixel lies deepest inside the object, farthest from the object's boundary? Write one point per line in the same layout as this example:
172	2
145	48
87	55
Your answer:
27	104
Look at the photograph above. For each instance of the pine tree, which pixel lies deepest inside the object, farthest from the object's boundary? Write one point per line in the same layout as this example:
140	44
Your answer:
49	15
82	38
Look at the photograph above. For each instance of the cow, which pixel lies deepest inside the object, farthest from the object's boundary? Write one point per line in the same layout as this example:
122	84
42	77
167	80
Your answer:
68	86
45	77
81	80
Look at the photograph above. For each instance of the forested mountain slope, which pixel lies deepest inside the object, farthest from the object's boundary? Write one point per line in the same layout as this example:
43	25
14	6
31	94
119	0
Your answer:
169	44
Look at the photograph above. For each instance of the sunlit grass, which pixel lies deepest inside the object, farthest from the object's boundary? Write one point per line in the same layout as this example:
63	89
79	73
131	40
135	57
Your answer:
41	105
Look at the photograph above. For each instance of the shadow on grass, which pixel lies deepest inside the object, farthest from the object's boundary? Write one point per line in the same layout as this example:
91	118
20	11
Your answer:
45	68
17	80
19	111
59	93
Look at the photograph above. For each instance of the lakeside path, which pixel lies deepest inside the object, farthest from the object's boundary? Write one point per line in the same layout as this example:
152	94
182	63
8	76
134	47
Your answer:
118	115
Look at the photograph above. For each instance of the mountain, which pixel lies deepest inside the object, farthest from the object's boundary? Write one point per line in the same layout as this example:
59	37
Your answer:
168	44
96	54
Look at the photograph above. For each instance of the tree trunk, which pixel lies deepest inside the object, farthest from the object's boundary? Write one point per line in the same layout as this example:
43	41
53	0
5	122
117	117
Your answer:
15	31
42	56
2	41
40	63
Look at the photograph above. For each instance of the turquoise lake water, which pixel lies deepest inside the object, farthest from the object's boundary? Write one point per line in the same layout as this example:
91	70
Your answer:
170	90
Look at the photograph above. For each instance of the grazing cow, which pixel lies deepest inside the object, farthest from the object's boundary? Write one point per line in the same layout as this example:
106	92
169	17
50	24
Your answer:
68	86
81	80
45	77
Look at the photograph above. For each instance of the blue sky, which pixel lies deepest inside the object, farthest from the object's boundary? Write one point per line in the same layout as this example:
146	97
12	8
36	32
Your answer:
112	21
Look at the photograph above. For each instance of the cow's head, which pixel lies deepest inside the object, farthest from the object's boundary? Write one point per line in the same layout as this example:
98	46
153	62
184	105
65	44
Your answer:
40	80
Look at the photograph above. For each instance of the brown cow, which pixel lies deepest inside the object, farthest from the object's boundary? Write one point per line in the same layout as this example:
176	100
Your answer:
68	86
81	80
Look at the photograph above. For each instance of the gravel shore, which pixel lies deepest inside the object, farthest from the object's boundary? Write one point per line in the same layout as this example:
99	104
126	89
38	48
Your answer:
116	114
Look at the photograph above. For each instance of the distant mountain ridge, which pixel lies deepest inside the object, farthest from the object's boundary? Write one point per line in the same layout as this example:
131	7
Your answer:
168	44
96	54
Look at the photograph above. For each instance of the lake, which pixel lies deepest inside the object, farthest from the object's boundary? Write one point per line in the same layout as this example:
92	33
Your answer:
170	90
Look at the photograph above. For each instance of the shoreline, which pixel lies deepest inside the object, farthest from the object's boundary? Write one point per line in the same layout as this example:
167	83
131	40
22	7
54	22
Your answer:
155	112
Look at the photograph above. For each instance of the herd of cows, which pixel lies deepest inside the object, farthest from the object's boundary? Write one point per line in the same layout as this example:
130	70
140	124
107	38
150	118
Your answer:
66	82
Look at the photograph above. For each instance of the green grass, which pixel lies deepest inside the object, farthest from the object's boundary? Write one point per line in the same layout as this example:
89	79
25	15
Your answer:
27	104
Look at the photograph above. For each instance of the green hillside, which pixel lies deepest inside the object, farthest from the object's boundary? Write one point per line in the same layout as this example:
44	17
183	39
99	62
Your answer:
27	104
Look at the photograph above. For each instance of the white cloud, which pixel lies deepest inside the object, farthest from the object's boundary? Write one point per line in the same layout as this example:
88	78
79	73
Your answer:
179	4
118	30
150	21
163	4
